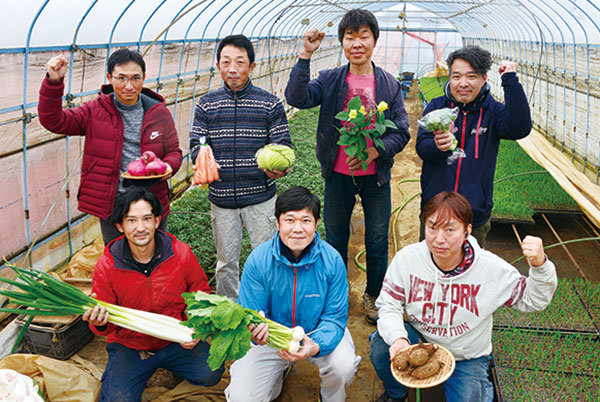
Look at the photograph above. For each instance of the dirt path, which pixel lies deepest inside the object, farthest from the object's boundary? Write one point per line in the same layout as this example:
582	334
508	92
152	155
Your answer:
302	385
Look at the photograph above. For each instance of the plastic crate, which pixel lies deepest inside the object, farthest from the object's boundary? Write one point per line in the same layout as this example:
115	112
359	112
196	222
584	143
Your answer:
59	341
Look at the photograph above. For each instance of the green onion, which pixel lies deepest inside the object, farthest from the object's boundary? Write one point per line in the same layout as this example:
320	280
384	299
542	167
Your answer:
48	296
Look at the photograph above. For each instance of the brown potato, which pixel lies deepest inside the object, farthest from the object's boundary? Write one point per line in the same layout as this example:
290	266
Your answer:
427	370
401	360
420	354
418	357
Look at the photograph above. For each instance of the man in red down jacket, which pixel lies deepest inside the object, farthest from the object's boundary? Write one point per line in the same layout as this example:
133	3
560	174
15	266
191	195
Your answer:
146	269
123	121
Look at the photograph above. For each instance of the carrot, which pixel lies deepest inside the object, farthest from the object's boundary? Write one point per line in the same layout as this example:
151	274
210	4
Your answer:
205	168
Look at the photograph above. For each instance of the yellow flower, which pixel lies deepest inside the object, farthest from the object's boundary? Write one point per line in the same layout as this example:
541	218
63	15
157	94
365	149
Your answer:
362	110
352	114
382	106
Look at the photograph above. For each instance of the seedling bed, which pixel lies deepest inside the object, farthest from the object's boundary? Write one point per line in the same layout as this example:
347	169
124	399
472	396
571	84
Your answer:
565	312
518	384
520	190
556	353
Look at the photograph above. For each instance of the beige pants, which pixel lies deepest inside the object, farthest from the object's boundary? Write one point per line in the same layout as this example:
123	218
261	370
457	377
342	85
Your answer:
227	225
258	376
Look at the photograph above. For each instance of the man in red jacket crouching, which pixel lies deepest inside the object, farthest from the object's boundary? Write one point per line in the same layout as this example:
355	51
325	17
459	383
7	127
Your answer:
146	269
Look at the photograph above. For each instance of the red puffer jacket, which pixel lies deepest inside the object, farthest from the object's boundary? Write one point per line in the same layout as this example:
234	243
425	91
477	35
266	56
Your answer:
100	122
115	282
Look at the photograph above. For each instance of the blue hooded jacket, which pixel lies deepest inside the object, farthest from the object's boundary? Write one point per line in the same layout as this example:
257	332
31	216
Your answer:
312	293
473	175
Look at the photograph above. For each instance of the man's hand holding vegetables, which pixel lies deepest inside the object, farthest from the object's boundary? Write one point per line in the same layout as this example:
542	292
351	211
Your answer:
298	280
146	269
344	174
145	125
236	121
480	125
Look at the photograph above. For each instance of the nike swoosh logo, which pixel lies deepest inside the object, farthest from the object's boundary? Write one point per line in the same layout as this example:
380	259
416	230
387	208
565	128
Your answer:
154	135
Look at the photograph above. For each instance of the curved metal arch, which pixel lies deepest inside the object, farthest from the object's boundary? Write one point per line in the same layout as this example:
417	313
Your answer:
522	37
271	10
232	32
565	69
197	68
67	137
162	48
254	15
227	19
553	41
214	56
289	26
588	97
112	32
587	128
24	107
81	22
146	23
179	80
280	21
258	37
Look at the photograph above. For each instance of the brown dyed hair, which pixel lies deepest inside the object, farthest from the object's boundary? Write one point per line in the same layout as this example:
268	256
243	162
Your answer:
447	205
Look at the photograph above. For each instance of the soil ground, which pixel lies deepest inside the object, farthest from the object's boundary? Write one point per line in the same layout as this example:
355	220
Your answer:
302	385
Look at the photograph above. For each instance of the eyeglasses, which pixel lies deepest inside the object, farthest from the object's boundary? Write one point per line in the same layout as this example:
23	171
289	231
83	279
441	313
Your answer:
123	79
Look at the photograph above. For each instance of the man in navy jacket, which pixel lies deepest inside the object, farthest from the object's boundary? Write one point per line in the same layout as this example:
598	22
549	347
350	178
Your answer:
344	176
481	123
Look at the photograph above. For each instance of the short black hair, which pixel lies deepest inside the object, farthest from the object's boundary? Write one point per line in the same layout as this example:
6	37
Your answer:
123	56
133	194
480	59
295	199
239	41
356	18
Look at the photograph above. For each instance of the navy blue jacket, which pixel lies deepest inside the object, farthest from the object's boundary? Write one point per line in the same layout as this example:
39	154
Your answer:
329	90
236	125
473	175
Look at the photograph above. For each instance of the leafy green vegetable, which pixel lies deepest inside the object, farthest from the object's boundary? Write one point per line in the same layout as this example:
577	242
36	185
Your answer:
275	157
440	119
226	324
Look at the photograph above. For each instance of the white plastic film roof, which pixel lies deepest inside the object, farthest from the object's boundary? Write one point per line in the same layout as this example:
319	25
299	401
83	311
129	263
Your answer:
61	22
555	43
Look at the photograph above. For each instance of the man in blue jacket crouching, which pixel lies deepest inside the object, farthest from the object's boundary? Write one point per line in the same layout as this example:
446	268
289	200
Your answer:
296	279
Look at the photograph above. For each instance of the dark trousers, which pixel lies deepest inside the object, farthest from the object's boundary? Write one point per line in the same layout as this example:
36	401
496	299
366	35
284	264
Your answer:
126	373
340	197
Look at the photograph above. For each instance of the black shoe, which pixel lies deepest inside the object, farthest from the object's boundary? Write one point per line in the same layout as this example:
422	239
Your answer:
385	398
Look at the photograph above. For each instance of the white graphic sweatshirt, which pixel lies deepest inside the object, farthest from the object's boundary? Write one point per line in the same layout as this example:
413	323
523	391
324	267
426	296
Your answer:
456	312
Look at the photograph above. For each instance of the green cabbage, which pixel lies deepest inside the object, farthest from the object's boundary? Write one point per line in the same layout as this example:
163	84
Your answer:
275	157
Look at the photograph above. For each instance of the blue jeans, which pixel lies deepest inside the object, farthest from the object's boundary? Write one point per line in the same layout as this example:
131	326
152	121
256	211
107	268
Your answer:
468	382
340	197
126	373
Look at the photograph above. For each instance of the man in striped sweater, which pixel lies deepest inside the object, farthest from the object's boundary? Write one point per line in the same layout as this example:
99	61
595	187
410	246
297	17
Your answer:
237	120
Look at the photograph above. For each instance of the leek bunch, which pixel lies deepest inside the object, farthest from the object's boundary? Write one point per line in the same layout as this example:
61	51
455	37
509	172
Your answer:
45	295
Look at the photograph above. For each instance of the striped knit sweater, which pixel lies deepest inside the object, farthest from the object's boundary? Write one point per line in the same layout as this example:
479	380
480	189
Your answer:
236	125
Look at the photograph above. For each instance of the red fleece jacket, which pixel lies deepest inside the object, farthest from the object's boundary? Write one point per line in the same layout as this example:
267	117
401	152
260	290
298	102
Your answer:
117	282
